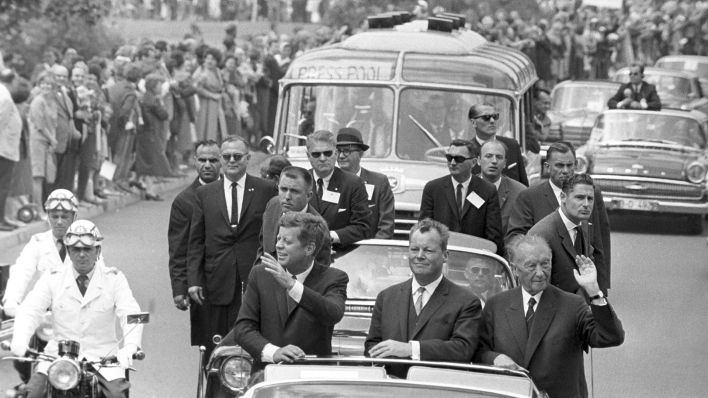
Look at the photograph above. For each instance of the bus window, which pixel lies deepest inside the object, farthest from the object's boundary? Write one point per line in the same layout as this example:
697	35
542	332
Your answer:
331	107
429	120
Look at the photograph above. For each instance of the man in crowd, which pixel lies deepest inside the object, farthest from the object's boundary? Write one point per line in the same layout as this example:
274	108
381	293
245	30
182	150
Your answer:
462	201
492	161
535	203
427	317
10	134
223	237
68	137
338	196
206	161
637	94
294	193
350	149
86	300
292	302
483	119
544	330
480	273
568	232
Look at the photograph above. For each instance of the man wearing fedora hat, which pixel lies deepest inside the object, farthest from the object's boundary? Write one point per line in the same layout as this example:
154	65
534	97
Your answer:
351	147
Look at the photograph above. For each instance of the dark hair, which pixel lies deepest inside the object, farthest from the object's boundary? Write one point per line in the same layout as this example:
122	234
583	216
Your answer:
560	147
228	57
428	224
161	45
491	142
205	143
577	179
637	65
471	147
214	53
95	69
296	172
313	229
153	80
228	43
132	72
175	60
276	164
144	51
538	90
474	109
512	248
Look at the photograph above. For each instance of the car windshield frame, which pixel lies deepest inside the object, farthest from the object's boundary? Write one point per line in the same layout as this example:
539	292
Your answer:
662	81
582	97
649	127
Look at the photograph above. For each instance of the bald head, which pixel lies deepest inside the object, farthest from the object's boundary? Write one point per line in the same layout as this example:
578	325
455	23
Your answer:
492	160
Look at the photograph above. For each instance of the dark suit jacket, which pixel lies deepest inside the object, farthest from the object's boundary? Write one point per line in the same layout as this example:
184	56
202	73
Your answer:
381	204
264	316
508	192
515	166
563	326
440	204
646	91
349	218
538	201
552	229
447	327
220	257
178	237
270	228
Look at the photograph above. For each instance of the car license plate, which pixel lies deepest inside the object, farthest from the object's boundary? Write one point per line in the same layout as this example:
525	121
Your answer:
634	204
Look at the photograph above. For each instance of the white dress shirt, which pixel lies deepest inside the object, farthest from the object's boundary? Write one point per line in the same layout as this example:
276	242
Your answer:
429	290
569	225
240	188
526	296
465	185
556	191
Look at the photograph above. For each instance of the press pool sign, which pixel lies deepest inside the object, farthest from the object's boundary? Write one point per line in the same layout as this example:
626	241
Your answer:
339	70
614	4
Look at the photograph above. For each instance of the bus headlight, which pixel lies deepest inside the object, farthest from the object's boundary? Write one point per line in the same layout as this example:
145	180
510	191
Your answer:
64	374
581	165
696	172
235	372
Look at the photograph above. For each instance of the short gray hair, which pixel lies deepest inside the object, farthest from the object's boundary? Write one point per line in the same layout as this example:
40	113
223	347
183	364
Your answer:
427	225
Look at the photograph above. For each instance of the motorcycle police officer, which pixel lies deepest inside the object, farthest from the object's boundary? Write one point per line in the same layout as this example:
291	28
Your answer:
85	300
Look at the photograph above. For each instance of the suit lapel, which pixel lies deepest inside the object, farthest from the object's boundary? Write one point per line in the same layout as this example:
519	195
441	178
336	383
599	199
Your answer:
248	192
450	191
503	191
436	300
95	287
542	320
403	301
551	200
564	235
466	203
221	200
516	319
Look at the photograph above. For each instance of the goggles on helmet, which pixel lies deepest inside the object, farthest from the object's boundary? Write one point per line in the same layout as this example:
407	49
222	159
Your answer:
87	239
60	204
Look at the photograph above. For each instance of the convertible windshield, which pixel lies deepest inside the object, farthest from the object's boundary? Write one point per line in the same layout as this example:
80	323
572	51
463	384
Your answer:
372	268
428	120
667	87
362	389
569	98
657	128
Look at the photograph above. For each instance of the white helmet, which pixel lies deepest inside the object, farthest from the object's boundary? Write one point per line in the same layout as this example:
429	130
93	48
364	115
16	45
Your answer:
83	233
61	199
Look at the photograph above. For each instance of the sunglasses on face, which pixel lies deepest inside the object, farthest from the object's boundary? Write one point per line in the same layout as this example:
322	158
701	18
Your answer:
236	157
457	159
480	270
488	117
326	154
209	160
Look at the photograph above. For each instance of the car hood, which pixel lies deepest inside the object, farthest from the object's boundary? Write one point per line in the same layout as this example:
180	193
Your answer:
640	161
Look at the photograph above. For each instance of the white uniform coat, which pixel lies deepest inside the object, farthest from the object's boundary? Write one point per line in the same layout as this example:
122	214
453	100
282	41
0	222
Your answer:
90	319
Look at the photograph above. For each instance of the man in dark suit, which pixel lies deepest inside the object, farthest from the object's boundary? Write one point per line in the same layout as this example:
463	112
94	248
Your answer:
483	120
338	196
427	317
223	237
294	193
492	161
68	136
637	94
350	148
543	329
462	201
206	161
540	200
291	303
568	232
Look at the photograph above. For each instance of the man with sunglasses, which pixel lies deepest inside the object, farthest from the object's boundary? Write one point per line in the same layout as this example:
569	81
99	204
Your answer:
223	236
480	276
86	299
637	94
206	161
350	148
461	200
340	197
483	120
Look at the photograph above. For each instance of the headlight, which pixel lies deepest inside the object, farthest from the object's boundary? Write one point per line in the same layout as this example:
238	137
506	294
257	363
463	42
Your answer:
696	172
235	372
581	165
64	374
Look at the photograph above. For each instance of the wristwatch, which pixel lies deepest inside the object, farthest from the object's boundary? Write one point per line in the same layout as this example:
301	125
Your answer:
598	296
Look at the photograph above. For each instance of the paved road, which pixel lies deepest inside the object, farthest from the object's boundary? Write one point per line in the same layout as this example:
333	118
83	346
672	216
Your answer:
659	291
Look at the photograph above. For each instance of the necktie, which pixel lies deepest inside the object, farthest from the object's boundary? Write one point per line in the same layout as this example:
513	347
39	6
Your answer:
419	300
320	188
62	249
82	282
459	198
530	313
291	302
234	204
579	241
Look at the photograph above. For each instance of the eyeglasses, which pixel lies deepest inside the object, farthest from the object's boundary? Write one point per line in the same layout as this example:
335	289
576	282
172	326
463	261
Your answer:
85	239
236	157
457	159
634	73
318	154
347	151
488	117
211	160
60	204
480	270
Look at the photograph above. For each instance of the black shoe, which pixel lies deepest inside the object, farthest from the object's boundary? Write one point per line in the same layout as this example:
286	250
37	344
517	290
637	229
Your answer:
154	197
138	184
5	227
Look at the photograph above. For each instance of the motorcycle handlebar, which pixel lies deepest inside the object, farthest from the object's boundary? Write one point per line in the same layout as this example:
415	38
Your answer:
138	355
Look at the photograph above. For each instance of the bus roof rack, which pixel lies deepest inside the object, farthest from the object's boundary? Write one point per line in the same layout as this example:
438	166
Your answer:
461	18
381	21
442	24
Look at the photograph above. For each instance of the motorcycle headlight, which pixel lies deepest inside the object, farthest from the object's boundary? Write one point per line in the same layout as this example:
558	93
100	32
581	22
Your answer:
696	172
235	372
64	374
581	165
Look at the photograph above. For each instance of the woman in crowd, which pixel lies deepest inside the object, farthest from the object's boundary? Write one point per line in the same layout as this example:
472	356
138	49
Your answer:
235	85
42	119
210	87
181	126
